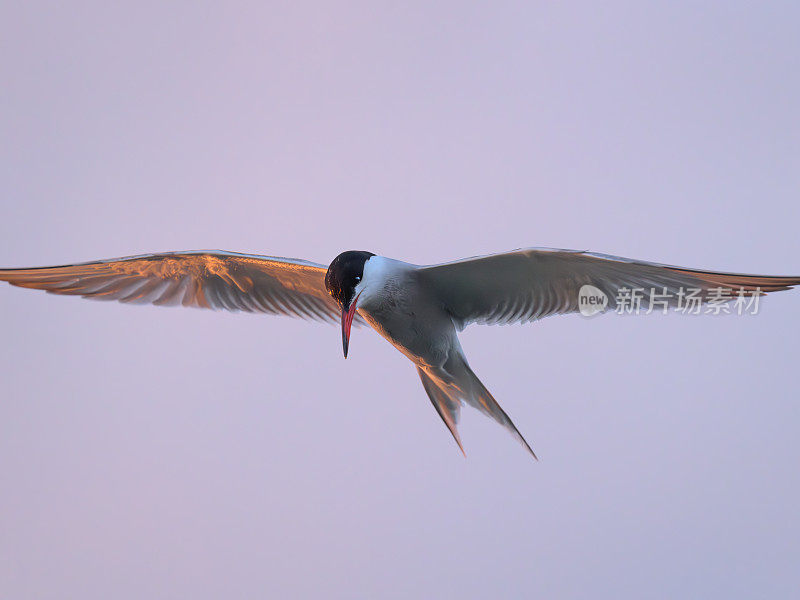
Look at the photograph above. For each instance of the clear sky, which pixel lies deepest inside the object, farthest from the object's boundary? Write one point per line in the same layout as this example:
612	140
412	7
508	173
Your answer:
173	453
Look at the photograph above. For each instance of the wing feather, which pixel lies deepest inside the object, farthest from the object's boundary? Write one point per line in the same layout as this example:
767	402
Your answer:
525	285
204	279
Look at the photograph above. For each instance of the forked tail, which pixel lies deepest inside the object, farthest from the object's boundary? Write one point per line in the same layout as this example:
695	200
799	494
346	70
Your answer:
449	386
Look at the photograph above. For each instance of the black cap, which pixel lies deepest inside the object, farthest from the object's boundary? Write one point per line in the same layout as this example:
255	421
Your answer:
344	274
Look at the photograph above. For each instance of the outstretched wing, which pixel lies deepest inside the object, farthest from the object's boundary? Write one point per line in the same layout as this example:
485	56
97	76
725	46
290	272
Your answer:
525	285
206	279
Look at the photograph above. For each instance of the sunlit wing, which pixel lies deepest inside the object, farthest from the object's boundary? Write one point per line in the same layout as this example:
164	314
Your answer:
525	285
205	279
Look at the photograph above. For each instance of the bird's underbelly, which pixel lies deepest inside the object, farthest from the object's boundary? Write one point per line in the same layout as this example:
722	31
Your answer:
424	339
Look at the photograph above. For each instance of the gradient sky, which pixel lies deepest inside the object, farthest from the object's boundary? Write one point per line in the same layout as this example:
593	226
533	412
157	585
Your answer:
173	453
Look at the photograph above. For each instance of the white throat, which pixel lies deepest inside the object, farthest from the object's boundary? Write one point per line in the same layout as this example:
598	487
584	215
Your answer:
380	275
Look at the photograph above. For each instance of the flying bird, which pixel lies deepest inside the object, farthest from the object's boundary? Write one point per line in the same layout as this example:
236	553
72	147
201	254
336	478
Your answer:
418	309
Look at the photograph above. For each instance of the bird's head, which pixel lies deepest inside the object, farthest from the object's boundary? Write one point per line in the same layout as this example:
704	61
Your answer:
343	277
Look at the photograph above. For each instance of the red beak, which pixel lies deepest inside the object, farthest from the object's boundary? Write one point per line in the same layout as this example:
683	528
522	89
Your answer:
347	322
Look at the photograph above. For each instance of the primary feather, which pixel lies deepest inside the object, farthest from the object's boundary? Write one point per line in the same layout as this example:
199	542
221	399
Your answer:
205	279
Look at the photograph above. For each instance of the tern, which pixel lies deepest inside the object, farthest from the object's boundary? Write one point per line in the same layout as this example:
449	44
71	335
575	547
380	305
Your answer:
418	309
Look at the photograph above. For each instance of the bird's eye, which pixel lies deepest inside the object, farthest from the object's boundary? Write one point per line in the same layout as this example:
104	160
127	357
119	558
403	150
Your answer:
358	278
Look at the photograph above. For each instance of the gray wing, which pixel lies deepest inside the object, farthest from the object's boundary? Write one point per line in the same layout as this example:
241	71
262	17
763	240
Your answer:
207	279
525	285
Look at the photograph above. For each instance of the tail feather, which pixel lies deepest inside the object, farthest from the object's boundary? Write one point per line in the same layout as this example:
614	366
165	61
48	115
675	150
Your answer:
448	408
455	383
483	400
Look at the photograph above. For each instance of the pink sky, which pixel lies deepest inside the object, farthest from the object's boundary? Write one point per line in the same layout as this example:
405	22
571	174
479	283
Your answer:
164	453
